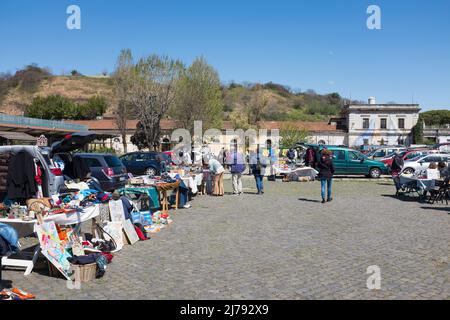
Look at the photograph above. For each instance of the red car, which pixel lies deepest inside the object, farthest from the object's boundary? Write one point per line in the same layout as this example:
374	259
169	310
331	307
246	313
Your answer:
407	155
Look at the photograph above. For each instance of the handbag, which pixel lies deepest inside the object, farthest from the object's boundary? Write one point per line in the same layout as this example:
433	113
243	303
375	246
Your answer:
109	245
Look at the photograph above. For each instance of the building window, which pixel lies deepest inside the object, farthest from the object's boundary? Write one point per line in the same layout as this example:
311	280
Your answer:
383	124
401	123
366	123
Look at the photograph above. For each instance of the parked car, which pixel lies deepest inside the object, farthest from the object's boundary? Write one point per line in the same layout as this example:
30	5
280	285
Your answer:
406	155
53	176
145	163
423	162
352	162
383	152
106	168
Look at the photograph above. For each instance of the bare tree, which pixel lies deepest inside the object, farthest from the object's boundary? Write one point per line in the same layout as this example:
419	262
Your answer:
122	78
256	106
152	92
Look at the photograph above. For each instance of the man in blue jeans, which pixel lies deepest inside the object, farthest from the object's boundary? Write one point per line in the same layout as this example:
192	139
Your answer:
258	170
326	172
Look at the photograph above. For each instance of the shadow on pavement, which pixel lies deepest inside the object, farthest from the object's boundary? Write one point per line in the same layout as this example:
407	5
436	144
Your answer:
437	209
402	197
309	200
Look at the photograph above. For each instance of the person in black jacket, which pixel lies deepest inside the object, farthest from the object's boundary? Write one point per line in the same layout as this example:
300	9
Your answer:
396	169
326	172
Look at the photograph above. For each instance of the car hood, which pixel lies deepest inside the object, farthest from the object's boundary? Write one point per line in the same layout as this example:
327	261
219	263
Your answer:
73	142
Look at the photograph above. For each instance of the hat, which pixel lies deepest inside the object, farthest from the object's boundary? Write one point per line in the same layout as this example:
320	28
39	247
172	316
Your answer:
116	195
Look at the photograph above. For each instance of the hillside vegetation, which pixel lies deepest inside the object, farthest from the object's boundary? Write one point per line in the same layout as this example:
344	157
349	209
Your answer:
275	102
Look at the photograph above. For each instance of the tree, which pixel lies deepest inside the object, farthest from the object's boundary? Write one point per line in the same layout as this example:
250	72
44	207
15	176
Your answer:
152	92
122	78
57	107
199	96
290	134
418	132
436	117
256	106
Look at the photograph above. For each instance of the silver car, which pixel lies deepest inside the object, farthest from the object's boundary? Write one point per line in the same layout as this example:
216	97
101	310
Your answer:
53	177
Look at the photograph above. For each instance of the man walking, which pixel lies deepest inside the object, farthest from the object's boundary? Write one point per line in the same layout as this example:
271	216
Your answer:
237	167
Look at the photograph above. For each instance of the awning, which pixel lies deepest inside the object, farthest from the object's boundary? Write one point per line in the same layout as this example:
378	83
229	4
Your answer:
14	135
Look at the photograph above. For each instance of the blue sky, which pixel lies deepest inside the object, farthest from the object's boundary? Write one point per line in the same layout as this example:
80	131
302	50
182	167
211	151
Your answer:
322	44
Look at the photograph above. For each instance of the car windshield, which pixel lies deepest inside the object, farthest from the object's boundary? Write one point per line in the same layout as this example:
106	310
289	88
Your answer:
416	158
113	161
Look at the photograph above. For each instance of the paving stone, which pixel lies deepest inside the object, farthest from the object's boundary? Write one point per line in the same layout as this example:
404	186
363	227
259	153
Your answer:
282	245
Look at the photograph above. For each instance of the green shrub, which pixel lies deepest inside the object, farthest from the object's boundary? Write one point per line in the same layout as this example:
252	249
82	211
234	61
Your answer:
56	107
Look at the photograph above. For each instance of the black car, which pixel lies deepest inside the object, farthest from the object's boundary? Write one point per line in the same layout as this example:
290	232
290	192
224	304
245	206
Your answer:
106	168
145	163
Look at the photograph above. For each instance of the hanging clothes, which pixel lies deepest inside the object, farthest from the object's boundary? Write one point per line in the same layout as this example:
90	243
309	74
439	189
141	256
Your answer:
4	164
21	183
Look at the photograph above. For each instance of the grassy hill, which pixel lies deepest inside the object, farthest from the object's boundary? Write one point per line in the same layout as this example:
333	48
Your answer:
280	103
17	91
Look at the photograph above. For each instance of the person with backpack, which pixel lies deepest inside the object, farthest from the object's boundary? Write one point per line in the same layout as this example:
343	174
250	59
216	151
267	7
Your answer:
396	169
326	172
237	166
258	166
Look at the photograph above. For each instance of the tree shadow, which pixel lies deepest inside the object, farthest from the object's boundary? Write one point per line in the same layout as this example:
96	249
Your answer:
309	200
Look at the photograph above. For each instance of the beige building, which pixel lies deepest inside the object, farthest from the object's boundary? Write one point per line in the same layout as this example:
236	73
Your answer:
320	132
376	124
361	124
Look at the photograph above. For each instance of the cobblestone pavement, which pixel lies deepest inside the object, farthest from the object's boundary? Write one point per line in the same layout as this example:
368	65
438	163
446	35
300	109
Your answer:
283	245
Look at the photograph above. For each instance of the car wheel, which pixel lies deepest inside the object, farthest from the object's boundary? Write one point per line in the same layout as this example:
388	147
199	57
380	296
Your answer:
375	173
409	171
150	171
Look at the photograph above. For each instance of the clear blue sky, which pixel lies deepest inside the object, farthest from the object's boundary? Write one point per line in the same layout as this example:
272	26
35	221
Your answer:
322	44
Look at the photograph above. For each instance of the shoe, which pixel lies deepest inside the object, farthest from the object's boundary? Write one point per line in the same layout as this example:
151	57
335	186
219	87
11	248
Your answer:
329	199
187	206
323	201
262	192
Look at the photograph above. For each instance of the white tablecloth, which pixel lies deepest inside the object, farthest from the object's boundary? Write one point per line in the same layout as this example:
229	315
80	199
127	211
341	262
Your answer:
423	184
192	182
86	214
26	228
305	171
